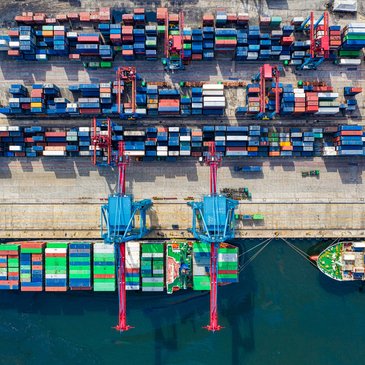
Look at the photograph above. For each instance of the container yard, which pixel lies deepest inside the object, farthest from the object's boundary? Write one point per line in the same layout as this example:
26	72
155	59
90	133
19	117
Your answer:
146	150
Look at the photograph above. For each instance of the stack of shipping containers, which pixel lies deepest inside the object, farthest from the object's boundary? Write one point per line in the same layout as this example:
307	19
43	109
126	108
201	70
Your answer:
9	266
80	266
349	140
152	266
132	265
31	266
201	265
214	102
227	264
56	266
104	267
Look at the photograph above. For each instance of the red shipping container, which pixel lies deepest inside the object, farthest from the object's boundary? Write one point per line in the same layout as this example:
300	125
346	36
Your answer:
13	52
4	134
55	134
351	133
104	276
31	288
55	288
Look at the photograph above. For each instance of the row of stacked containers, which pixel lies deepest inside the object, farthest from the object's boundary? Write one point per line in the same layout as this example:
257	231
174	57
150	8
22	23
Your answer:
227	265
172	142
63	266
152	101
137	35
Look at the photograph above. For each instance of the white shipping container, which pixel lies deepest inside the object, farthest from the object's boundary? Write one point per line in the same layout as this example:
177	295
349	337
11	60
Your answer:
84	129
328	111
84	153
55	250
14	100
174	153
54	153
350	61
14	44
134	133
153	280
184	153
59	27
213	87
219	138
252	55
174	129
214	99
237	138
162	153
213	92
185	138
162	148
134	153
214	104
15	148
3	128
199	270
328	95
284	57
227	257
132	287
24	37
56	276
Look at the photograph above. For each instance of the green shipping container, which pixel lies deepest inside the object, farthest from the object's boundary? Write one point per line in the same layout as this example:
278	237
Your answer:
201	283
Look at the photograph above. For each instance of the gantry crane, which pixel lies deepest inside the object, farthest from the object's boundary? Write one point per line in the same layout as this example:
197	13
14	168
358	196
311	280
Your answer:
319	41
101	140
174	45
268	72
118	226
213	222
126	75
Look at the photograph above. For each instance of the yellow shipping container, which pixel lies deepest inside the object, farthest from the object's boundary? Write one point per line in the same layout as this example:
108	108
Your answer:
36	105
47	33
285	144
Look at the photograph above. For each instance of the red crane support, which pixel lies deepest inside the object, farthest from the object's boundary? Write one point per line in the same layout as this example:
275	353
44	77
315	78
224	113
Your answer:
319	45
127	75
101	140
269	72
166	40
122	161
213	160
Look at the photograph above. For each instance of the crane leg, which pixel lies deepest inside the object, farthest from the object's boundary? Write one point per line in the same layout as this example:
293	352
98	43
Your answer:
122	324
213	325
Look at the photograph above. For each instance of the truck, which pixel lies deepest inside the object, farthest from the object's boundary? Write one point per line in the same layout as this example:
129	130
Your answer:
248	168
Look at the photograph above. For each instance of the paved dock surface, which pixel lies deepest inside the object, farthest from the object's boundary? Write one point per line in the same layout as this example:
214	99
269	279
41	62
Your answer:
56	198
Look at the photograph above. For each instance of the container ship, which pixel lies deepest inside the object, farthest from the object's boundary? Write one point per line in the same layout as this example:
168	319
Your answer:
343	261
149	266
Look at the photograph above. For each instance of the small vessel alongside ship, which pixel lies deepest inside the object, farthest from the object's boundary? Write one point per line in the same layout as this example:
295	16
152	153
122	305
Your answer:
343	261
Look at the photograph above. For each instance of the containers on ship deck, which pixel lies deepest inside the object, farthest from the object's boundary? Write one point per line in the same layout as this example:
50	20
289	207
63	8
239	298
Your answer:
201	266
104	267
80	266
31	266
132	265
9	267
56	266
152	266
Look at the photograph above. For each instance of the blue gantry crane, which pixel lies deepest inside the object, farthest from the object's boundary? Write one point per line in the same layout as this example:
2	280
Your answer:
118	225
213	222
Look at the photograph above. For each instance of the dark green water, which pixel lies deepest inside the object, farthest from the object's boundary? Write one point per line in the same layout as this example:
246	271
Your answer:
283	311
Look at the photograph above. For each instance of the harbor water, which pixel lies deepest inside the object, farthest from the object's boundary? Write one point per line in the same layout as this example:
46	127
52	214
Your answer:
283	311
